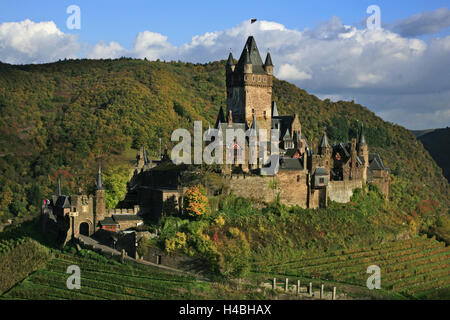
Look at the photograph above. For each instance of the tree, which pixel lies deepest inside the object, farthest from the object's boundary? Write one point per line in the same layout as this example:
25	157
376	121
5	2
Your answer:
195	202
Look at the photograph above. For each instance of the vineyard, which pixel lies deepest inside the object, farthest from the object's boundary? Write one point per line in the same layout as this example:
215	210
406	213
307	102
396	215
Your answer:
104	280
413	268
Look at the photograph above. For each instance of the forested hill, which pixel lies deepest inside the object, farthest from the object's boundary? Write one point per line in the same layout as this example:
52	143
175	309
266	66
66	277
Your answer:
56	119
437	143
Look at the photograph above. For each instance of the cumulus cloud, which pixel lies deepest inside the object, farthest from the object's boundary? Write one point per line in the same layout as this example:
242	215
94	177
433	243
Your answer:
35	42
428	22
103	50
382	69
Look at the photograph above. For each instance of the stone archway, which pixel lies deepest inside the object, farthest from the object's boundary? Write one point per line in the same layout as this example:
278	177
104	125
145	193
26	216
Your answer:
84	229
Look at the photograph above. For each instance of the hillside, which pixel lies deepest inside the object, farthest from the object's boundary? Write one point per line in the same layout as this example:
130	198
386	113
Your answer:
57	119
437	142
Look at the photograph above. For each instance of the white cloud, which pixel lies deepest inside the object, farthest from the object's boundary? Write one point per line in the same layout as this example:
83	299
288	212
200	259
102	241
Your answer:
428	22
378	68
290	72
31	42
106	51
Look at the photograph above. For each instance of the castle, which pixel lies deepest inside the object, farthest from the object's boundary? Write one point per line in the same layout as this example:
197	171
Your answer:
305	178
69	216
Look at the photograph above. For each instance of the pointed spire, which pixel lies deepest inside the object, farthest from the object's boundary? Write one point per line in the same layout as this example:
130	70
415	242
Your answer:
268	62
59	187
220	118
324	142
362	137
99	183
274	109
230	61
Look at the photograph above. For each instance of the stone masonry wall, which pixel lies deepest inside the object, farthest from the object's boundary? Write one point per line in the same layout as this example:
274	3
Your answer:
342	191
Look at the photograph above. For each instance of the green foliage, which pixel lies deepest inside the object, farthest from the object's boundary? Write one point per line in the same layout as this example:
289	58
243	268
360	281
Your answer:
18	258
115	180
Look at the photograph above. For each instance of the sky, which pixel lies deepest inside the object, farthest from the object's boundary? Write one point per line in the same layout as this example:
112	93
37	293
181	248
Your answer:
400	70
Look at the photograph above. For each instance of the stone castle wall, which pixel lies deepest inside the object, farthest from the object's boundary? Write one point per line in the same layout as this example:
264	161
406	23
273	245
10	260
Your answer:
342	191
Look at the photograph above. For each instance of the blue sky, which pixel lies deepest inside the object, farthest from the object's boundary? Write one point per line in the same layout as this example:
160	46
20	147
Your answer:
180	20
399	71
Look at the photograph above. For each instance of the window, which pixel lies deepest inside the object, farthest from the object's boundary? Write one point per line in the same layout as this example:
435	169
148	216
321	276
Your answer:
321	180
253	78
265	79
298	178
246	78
265	114
259	78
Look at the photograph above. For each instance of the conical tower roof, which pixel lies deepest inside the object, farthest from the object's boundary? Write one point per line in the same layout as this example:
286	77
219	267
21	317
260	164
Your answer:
230	61
362	137
274	109
220	118
251	54
324	142
268	62
99	182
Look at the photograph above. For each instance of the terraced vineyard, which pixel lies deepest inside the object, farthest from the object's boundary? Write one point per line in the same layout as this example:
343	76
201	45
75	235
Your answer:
105	280
412	268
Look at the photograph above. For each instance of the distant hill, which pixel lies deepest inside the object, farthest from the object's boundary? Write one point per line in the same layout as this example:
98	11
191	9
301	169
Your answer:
419	133
437	142
58	118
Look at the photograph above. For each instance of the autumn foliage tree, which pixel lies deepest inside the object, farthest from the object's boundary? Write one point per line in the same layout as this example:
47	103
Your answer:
195	202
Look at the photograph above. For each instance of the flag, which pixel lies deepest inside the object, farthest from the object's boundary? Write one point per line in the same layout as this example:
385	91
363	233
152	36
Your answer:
253	21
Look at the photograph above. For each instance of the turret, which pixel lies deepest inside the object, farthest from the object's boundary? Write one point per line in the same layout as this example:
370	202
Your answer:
268	65
230	63
363	152
100	200
324	146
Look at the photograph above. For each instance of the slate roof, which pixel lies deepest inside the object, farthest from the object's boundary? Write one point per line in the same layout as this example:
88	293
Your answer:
268	60
251	54
108	221
220	118
290	164
99	183
274	109
375	162
62	202
230	61
324	142
320	171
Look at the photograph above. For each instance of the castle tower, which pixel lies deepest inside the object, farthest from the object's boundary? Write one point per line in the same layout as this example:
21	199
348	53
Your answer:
363	153
99	200
249	87
324	146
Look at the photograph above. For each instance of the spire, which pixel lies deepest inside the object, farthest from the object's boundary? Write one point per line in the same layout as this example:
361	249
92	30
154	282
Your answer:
274	109
230	61
99	183
324	142
250	55
220	118
268	62
362	137
59	187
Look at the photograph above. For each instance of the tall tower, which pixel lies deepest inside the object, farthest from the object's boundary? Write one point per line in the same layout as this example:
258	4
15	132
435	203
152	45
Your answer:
249	87
363	153
100	200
